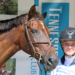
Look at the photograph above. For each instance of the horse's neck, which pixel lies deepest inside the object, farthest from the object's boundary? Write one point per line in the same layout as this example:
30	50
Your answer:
9	44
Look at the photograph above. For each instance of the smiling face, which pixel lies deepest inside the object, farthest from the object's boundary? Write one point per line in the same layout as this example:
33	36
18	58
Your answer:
69	48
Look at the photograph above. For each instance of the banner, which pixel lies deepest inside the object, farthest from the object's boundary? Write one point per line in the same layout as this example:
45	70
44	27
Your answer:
60	15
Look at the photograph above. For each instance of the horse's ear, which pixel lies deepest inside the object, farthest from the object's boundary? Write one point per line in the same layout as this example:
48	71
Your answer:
44	15
31	12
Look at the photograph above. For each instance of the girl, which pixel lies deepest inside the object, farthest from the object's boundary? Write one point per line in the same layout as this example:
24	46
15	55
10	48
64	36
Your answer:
67	40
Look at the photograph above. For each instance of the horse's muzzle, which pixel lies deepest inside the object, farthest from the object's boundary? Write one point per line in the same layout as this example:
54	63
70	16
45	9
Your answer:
50	64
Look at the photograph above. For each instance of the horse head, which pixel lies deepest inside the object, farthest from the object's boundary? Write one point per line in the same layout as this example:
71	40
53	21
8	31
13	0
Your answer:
37	41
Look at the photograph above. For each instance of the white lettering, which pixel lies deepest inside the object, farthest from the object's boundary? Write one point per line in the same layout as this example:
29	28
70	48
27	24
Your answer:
54	28
56	9
54	22
54	15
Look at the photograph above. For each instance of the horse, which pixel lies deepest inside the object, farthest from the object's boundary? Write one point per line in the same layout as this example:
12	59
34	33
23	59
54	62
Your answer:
29	33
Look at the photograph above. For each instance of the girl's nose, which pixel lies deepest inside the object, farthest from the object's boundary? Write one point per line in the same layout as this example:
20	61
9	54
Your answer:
70	46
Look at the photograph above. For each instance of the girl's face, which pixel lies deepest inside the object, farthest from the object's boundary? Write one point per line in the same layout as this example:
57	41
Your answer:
68	48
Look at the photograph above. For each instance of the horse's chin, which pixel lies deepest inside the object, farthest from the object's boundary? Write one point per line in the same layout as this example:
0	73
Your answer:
48	68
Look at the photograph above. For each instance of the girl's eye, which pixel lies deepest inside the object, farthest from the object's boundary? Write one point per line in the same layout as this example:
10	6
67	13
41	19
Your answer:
65	43
34	31
73	44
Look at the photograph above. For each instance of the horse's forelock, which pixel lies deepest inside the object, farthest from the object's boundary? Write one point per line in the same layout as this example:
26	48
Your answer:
38	15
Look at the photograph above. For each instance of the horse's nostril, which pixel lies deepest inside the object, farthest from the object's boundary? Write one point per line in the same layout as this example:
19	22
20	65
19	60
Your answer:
49	63
50	60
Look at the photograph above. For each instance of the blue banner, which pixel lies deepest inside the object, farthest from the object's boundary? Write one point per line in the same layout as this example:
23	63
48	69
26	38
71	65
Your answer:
57	19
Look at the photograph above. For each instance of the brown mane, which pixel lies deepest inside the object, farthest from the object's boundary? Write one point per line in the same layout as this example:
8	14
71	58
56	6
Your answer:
10	23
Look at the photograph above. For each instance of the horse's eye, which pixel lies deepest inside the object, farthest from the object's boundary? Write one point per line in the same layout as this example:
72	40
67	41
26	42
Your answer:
34	31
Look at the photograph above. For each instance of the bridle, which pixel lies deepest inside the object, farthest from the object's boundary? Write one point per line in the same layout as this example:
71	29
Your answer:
41	58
